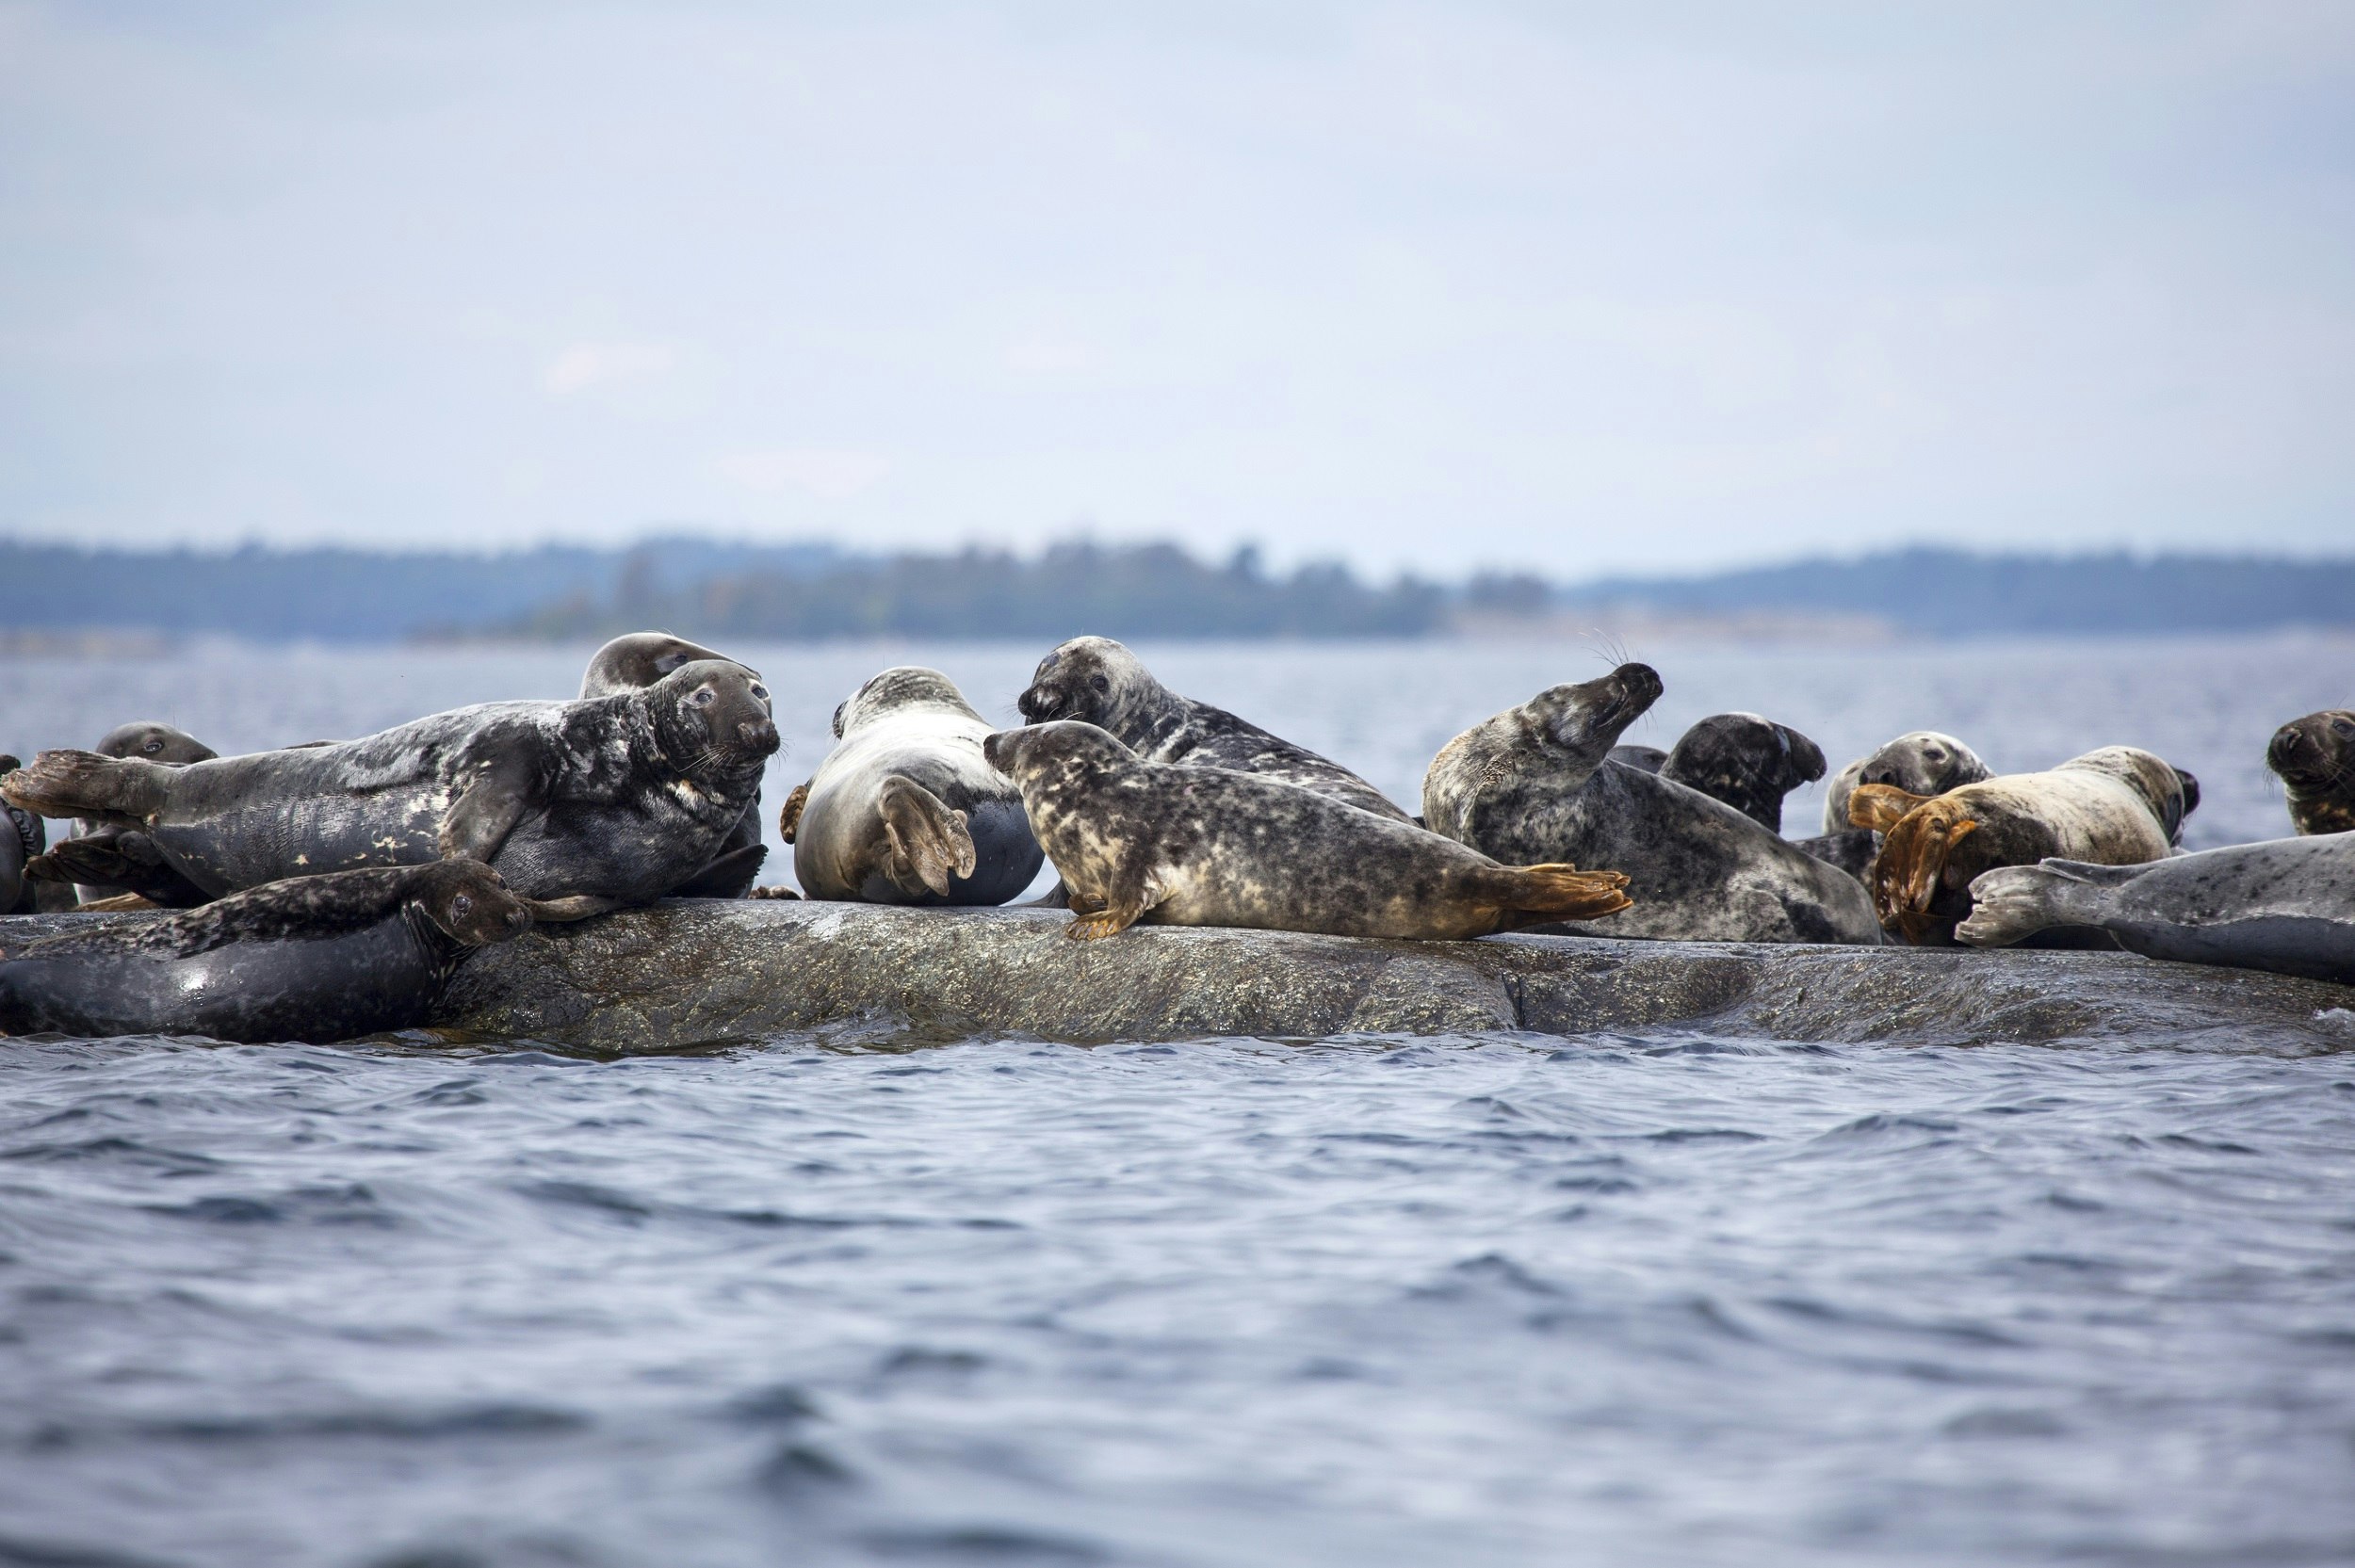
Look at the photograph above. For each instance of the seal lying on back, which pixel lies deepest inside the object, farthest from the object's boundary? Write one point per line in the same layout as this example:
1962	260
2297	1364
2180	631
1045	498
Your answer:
2117	806
1099	682
596	803
904	810
2315	759
312	958
107	859
1748	762
2287	905
1183	845
1535	783
1922	763
635	661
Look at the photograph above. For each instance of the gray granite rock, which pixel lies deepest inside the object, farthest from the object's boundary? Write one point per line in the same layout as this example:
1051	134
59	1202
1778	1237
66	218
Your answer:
690	971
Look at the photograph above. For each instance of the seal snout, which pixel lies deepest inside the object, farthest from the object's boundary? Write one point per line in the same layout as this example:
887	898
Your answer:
997	746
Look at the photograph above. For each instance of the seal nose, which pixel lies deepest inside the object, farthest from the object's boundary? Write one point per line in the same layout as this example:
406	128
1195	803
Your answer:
992	750
1641	682
759	734
518	919
2286	741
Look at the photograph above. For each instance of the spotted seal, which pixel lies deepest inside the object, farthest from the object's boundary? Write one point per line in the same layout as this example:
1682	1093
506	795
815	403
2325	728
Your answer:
312	958
2287	905
594	804
1922	763
1099	682
1535	783
2315	759
2115	806
635	661
1185	844
906	810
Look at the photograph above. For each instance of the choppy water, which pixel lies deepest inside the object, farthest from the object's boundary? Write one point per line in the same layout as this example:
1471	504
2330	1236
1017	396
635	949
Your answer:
1507	1299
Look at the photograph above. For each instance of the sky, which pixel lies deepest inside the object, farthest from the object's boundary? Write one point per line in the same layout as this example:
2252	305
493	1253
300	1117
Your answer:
1445	288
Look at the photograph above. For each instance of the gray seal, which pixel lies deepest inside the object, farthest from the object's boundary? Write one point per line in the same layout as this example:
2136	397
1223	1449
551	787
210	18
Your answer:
1922	763
1187	845
106	860
1099	682
312	958
23	838
2287	905
635	661
906	810
590	804
1748	762
1535	783
2115	806
2315	759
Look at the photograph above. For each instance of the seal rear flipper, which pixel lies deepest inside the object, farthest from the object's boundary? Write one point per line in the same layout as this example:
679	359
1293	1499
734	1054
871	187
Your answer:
926	843
1913	857
2012	903
83	784
728	875
1534	894
1881	807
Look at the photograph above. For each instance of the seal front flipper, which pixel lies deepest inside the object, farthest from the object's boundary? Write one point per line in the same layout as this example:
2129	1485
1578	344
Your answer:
728	875
790	815
495	798
1113	913
925	842
578	906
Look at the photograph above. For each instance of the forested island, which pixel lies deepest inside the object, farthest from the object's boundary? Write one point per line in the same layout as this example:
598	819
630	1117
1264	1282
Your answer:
810	591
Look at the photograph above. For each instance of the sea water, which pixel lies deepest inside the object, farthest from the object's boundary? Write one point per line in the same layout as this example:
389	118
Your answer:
1673	1299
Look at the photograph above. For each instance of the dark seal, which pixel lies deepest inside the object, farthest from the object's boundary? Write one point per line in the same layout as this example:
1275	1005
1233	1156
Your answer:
906	810
1187	845
2115	806
2287	905
2315	759
635	661
23	838
313	957
1099	682
588	805
1535	783
1748	762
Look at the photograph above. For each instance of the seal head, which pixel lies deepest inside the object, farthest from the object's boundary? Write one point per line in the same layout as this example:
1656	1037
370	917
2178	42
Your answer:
2315	759
1924	762
1748	762
636	660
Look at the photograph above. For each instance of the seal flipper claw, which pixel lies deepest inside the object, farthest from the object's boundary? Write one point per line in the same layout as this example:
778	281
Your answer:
1103	923
926	842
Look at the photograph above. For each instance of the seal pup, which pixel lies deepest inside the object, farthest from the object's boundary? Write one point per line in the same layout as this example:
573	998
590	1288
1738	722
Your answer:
583	805
1535	783
636	660
905	809
1748	762
2116	806
106	860
312	958
1186	845
1922	763
1099	682
2287	905
2315	759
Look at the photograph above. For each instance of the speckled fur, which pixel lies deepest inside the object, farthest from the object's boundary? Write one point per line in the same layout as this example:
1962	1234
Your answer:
1922	763
904	810
2315	759
1748	762
1099	682
1187	845
2287	905
1535	783
2115	806
619	798
635	661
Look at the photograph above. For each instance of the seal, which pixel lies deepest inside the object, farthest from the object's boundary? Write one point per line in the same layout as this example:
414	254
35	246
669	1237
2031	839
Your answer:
2287	905
585	805
1748	762
1535	783
107	861
906	810
312	958
2116	806
1186	845
1099	682
635	661
23	837
2315	759
1922	763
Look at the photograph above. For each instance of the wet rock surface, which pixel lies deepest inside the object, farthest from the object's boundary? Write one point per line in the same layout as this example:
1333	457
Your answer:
688	972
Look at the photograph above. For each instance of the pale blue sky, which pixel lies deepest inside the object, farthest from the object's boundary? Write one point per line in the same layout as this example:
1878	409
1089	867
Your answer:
1432	286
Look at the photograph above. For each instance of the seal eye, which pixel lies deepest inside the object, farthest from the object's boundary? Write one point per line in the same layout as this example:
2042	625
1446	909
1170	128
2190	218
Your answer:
703	697
1103	686
2343	727
153	747
460	907
761	693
